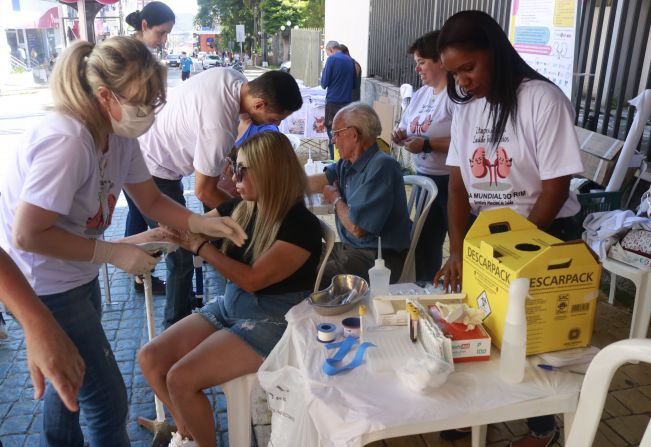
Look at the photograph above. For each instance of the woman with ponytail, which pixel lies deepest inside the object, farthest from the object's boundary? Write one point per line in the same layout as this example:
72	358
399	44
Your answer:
57	198
153	24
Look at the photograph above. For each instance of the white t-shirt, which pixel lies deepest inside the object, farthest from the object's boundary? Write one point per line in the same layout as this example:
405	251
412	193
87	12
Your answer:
197	128
540	145
429	114
57	167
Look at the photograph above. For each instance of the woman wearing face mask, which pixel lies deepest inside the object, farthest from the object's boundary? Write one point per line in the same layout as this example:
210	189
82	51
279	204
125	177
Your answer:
153	24
424	130
58	197
513	145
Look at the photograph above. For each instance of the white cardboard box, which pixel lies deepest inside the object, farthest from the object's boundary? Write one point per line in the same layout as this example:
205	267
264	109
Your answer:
390	310
630	258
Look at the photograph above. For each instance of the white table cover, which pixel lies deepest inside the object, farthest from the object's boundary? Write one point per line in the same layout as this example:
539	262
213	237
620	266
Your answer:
344	407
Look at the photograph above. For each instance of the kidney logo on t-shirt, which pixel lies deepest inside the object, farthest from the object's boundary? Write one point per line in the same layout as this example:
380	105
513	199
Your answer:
97	224
481	166
418	128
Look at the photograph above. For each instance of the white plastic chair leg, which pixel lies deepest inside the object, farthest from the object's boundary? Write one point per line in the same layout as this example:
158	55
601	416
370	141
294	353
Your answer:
642	304
479	436
238	407
613	286
641	308
568	420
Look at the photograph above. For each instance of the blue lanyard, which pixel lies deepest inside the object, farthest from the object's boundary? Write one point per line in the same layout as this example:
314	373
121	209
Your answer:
330	364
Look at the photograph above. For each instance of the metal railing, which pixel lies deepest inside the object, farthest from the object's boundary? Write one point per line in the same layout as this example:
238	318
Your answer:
612	65
17	63
394	25
613	52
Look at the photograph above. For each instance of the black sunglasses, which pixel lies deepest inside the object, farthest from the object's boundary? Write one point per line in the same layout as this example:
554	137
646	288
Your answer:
238	169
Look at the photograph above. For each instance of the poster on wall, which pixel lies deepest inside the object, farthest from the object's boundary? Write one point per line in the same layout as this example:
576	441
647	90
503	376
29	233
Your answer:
544	33
309	120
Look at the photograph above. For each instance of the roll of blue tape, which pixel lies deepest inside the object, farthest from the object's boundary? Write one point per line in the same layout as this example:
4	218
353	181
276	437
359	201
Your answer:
326	332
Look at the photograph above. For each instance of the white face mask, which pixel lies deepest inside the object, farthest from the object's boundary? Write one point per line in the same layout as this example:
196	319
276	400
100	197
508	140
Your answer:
136	120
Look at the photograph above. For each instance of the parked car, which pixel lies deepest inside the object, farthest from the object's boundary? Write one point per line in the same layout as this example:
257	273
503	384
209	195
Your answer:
173	60
286	66
211	60
201	55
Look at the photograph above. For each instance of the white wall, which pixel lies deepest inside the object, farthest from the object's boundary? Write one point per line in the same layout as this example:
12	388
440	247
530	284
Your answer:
346	21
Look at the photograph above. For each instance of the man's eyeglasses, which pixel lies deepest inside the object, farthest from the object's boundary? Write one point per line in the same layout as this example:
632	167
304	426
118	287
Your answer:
238	170
335	132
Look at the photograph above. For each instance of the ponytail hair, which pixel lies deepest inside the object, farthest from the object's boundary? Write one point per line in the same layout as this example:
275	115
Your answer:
123	64
155	13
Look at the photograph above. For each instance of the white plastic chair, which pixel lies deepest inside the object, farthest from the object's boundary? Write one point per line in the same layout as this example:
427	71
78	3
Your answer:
423	193
238	390
595	389
642	304
329	236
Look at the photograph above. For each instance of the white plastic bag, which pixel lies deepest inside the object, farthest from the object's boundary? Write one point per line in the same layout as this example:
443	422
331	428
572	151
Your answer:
291	425
424	374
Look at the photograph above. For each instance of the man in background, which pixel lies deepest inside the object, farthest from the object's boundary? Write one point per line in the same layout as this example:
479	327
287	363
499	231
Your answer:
186	66
368	193
357	93
339	78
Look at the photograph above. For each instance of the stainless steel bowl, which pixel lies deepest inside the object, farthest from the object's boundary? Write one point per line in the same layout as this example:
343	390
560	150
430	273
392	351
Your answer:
336	298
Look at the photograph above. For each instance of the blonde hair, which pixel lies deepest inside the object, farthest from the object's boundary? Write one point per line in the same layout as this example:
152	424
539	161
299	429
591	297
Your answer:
117	63
280	182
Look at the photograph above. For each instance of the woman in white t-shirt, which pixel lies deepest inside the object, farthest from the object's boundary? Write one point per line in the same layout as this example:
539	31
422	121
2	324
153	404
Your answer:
153	24
513	145
424	130
57	197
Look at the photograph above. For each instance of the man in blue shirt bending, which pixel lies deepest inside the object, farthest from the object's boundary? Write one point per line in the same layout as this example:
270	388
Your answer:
339	78
368	193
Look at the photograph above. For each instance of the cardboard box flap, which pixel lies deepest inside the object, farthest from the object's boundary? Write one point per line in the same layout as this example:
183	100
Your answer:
513	253
597	144
560	259
496	221
386	112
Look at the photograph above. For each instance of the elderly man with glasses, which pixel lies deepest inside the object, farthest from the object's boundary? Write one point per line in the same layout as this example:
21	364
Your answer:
368	192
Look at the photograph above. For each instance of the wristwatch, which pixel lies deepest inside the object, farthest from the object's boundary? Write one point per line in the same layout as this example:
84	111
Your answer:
426	147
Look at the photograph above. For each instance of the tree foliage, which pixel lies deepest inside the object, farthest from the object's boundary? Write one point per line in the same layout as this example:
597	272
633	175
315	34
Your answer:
268	15
313	14
226	14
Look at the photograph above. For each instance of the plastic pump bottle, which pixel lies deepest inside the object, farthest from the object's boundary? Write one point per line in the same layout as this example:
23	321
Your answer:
379	274
514	341
310	166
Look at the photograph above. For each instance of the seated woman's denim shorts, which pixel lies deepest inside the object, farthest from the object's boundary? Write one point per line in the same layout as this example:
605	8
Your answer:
257	319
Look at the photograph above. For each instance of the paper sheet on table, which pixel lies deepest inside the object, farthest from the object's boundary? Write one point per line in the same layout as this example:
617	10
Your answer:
346	406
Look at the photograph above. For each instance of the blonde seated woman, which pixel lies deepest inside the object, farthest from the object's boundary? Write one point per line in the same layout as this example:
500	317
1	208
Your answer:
274	270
